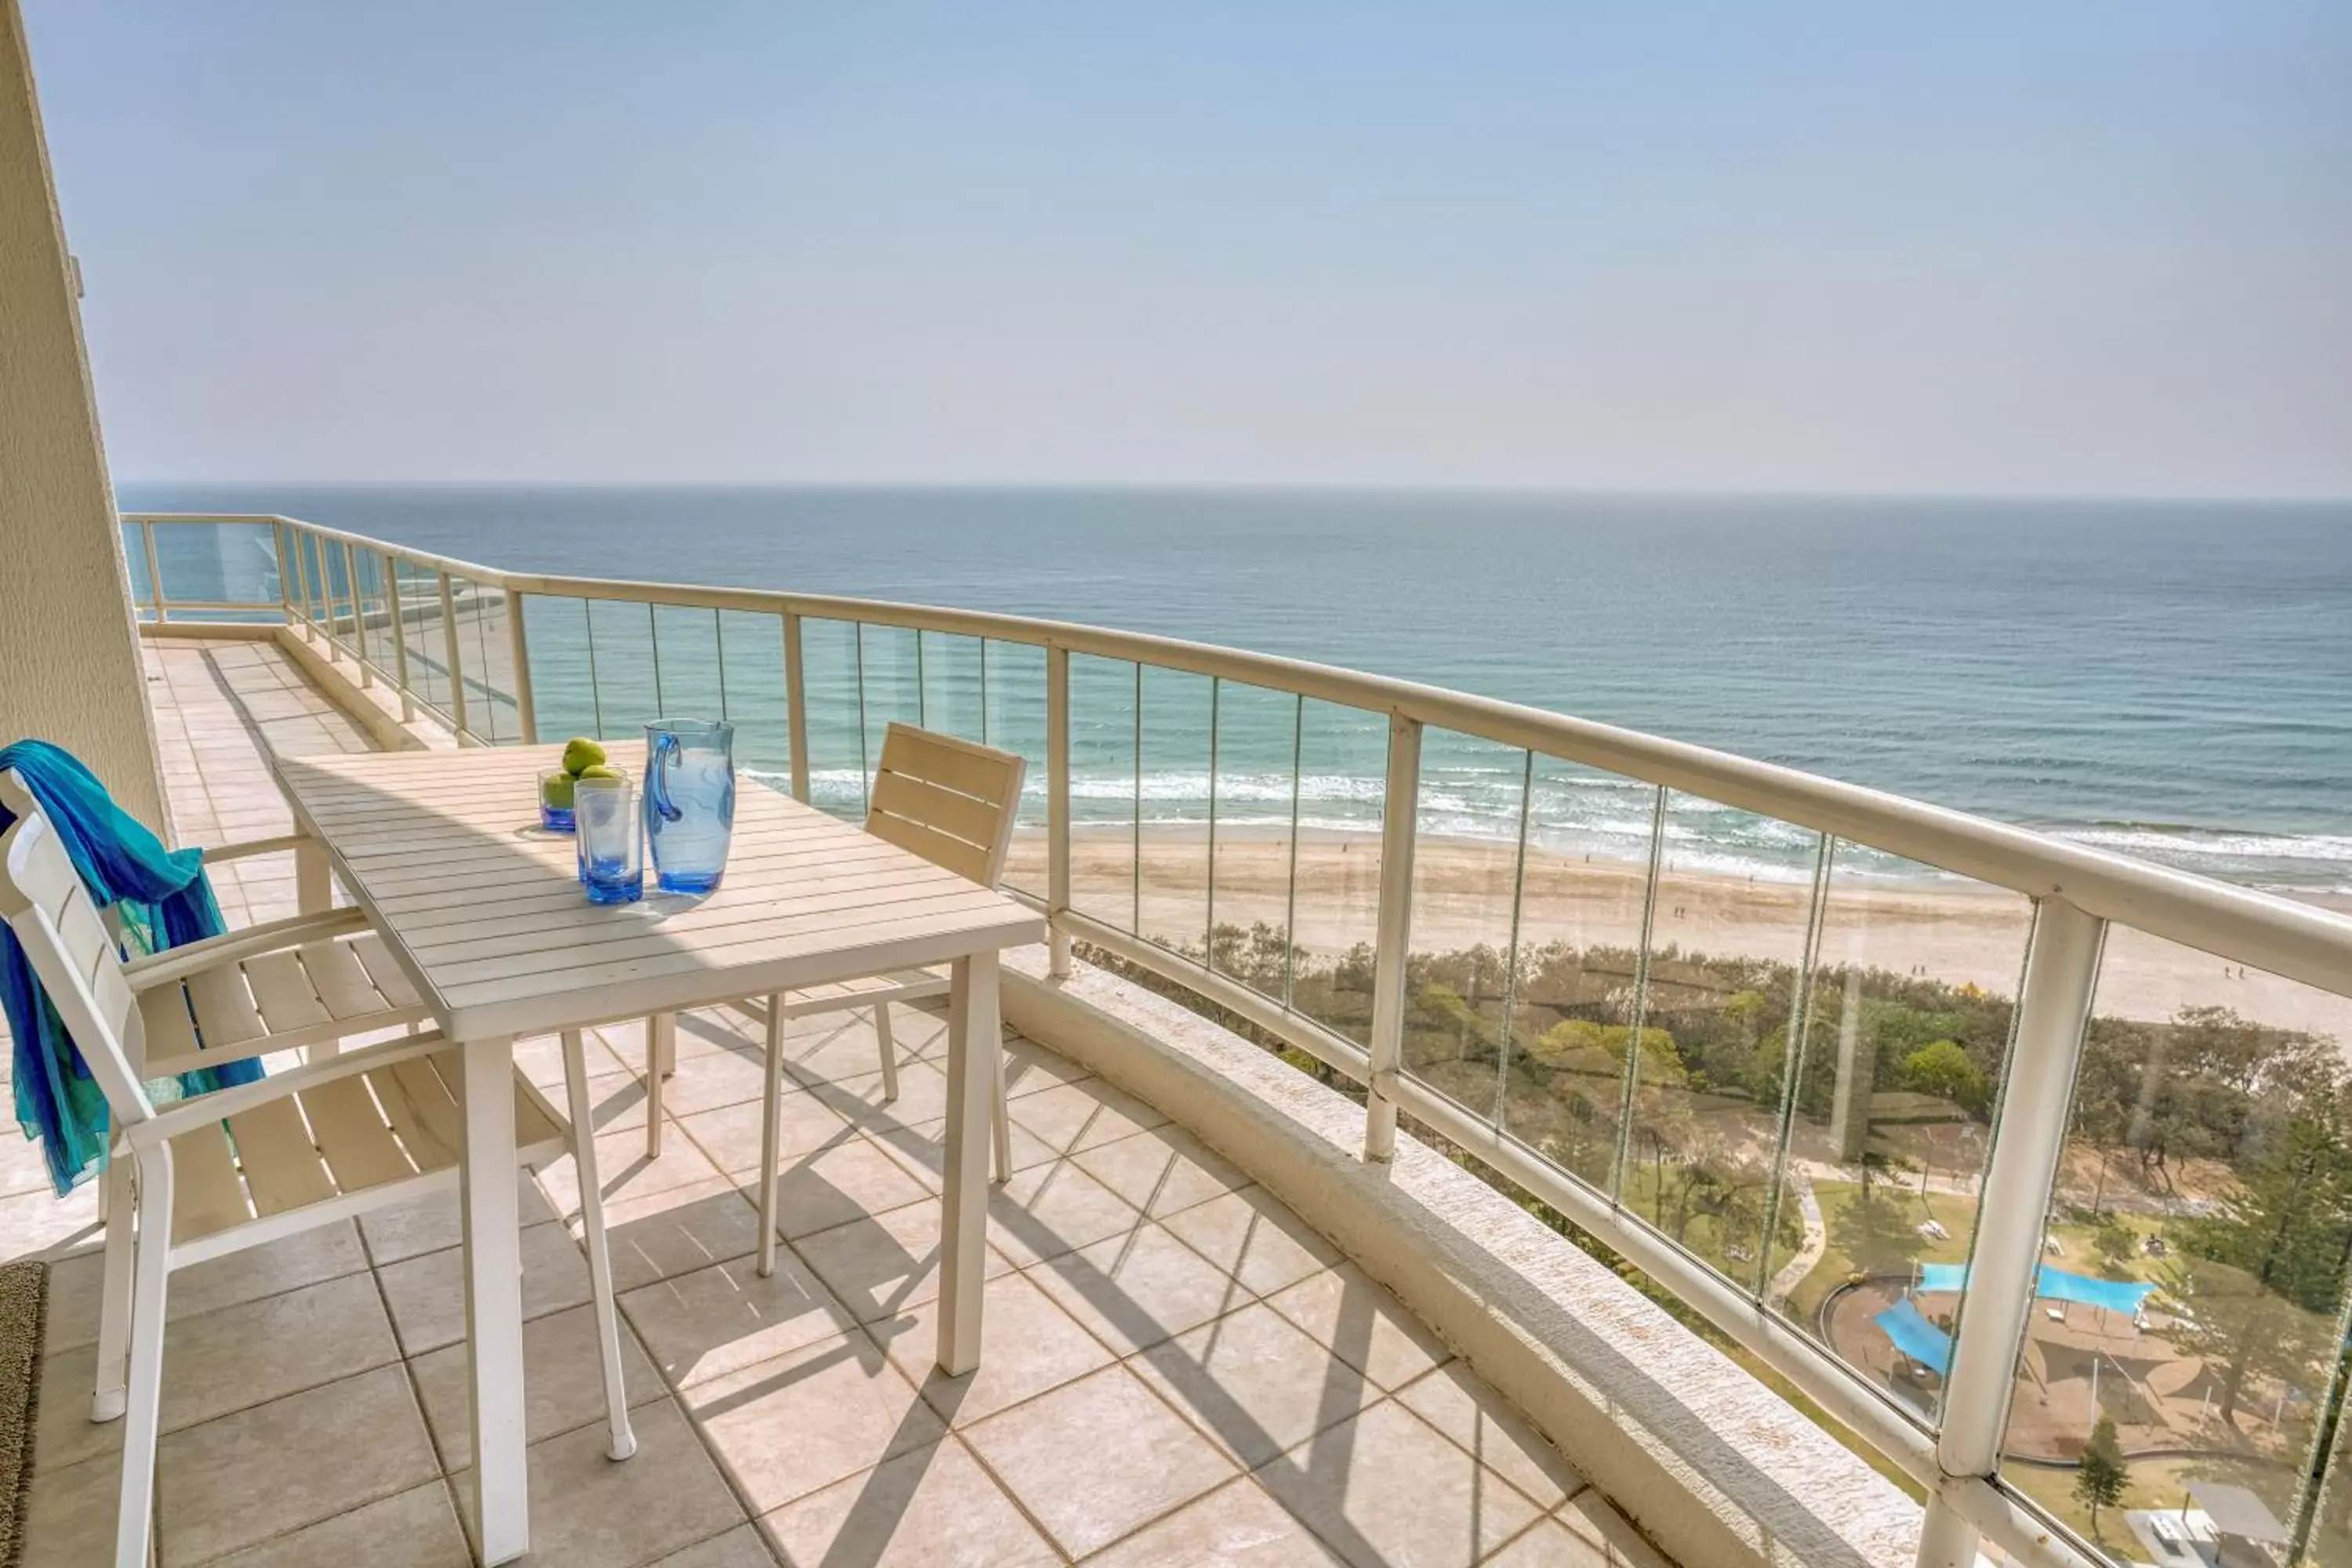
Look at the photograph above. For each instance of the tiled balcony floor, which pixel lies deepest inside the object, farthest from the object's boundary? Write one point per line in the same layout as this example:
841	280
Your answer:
1178	1371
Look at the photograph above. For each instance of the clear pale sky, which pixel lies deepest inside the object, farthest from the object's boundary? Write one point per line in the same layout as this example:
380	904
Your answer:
1993	247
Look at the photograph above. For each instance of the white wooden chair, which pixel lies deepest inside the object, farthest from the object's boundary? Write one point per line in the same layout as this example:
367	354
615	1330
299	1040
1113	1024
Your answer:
243	1166
953	803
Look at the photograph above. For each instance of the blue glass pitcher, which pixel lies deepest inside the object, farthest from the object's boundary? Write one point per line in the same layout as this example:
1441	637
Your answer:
690	801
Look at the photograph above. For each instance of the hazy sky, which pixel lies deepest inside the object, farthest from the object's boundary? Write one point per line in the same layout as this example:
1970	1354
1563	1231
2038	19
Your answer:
2036	247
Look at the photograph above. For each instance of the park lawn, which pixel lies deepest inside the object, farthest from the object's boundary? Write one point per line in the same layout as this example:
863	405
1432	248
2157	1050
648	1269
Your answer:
1886	1251
2082	1256
2154	1483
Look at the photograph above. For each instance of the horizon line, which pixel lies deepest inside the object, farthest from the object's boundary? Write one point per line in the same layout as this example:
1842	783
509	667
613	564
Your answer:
1281	487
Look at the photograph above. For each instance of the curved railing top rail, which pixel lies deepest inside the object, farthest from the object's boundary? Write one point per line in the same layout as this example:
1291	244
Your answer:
2298	941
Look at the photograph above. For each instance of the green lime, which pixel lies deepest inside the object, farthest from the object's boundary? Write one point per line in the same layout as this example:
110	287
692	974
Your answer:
556	790
599	771
580	755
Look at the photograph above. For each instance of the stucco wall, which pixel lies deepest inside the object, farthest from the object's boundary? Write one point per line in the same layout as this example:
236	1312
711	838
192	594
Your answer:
70	668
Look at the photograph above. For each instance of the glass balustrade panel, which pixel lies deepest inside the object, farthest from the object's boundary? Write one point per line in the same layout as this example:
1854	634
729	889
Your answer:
628	690
1580	945
751	673
1103	797
1468	829
2189	1326
562	690
1909	1014
1724	985
1173	780
836	736
1013	718
950	668
1253	827
1335	904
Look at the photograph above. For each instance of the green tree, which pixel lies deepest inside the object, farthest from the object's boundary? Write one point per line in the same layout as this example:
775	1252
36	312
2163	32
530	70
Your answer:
1943	1069
2101	1482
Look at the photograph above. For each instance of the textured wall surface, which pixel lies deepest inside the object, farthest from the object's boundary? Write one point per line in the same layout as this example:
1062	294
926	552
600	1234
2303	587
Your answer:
70	668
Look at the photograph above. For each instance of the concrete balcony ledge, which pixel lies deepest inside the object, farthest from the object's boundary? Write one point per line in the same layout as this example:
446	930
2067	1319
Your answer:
1709	1463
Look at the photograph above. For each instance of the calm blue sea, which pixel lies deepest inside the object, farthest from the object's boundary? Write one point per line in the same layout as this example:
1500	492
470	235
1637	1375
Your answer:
2172	680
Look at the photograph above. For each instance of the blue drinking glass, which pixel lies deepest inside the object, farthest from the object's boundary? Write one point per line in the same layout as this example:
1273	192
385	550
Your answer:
610	838
689	801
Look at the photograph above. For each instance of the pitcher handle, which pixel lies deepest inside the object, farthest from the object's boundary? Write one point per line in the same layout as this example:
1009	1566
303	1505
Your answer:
664	747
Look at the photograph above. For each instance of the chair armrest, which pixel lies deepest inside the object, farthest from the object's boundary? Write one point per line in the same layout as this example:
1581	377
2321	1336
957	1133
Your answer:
177	963
214	855
224	1103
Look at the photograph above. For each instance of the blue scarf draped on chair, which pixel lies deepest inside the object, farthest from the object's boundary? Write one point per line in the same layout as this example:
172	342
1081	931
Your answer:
165	900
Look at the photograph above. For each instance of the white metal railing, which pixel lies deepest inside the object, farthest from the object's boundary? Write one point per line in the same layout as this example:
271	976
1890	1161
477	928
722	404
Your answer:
379	605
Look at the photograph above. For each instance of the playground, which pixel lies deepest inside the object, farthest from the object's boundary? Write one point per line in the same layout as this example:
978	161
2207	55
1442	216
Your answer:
2094	1346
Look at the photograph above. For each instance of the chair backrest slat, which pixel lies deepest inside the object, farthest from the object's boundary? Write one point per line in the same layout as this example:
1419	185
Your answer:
44	904
950	801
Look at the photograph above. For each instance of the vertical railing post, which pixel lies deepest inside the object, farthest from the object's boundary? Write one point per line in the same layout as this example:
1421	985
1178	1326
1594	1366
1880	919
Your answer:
1057	809
2053	1008
359	614
449	657
277	533
1400	807
796	706
518	654
154	569
395	609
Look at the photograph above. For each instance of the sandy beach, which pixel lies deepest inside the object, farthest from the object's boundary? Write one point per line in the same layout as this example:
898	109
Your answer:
1463	895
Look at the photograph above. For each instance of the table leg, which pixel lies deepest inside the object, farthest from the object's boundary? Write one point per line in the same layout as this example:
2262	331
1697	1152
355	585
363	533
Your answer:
487	1200
974	1040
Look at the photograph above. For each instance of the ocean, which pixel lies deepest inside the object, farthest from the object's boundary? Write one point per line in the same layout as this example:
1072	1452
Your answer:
2171	680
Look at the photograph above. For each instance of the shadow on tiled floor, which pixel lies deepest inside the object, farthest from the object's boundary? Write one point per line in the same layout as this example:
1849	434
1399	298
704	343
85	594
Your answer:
1177	1370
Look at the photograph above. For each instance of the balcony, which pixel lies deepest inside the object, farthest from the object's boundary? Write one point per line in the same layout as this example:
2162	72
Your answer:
1385	1194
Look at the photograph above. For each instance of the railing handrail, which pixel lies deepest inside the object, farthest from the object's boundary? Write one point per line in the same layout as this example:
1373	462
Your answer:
2242	925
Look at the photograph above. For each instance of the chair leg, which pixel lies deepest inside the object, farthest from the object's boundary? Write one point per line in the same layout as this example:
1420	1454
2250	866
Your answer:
890	1052
623	1442
1001	1143
114	1301
661	1060
772	1094
135	1515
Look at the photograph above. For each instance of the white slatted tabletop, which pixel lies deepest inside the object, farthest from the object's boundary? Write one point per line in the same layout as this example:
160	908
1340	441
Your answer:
483	911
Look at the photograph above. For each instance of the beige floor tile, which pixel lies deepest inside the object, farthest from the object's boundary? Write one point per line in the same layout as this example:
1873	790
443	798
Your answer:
1254	1383
1031	1068
218	1362
563	1383
1070	1114
1161	1171
431	1224
741	1547
541	1060
38	1221
1388	1491
1467	1408
932	1507
1049	1210
654	1235
838	1184
1344	1310
68	1519
426	1294
616	1100
711	1081
1236	1526
731	1136
588	1512
785	1428
624	1170
1139	1288
1589	1520
244	1478
1250	1235
1029	1345
719	1320
923	1149
415	1528
882	1265
1139	1458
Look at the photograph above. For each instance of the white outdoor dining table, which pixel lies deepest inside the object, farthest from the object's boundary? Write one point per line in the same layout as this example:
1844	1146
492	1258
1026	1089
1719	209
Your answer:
484	912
